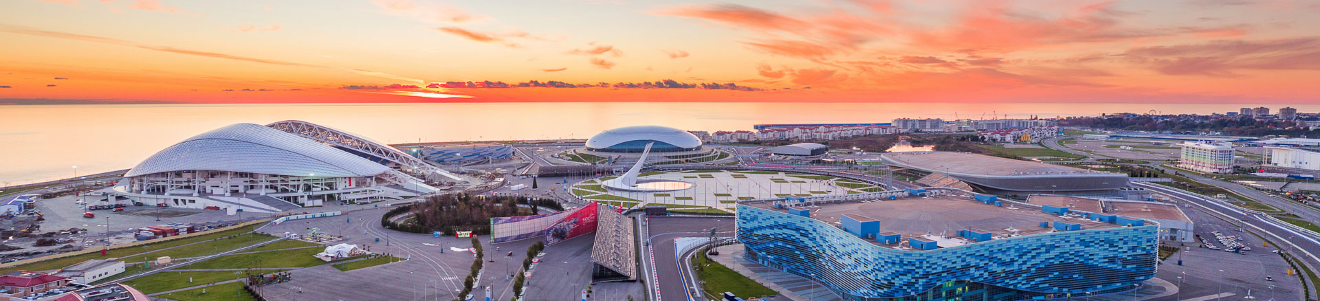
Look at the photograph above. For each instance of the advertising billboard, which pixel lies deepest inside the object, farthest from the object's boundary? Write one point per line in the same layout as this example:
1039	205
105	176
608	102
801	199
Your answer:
513	228
581	221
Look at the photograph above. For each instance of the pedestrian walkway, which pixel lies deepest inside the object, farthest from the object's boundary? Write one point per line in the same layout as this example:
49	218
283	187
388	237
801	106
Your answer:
788	285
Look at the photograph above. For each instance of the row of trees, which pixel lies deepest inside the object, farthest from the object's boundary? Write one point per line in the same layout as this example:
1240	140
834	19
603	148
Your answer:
473	272
1186	124
450	213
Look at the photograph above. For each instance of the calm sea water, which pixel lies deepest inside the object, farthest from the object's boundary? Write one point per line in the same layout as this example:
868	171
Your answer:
39	143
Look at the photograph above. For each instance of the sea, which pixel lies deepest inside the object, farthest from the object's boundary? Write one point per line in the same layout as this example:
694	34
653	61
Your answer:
48	142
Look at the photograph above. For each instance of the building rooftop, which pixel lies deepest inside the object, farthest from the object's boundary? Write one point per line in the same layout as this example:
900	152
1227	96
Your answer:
975	164
1148	210
89	265
1072	203
928	218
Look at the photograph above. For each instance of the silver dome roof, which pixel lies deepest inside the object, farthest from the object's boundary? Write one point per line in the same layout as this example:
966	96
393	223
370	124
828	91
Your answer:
246	147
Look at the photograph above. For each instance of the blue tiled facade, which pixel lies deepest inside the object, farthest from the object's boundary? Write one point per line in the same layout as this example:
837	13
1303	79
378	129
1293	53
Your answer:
1048	265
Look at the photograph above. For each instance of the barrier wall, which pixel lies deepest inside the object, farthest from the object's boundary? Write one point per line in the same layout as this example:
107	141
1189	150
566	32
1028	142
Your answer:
565	224
306	216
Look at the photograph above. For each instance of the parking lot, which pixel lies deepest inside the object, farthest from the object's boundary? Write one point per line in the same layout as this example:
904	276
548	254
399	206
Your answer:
1256	271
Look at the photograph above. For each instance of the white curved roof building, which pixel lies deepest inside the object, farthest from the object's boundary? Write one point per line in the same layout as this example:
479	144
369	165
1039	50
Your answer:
252	148
249	167
633	139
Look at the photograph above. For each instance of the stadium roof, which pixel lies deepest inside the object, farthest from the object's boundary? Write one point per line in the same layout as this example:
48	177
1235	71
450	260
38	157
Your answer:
672	136
246	147
800	149
915	217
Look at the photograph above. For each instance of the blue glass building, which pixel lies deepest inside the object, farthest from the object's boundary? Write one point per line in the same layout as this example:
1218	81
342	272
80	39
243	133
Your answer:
1038	266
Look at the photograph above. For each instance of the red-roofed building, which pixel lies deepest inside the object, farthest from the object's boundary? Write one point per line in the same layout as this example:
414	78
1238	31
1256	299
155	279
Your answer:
23	283
108	292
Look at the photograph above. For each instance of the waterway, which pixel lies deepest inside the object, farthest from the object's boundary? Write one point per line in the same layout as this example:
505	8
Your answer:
44	142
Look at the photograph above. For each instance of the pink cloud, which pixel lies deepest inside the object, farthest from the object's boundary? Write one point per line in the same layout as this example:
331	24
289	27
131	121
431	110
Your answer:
555	69
476	36
596	49
602	63
677	54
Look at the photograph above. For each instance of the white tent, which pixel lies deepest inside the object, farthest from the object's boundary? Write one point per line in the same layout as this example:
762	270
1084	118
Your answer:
339	251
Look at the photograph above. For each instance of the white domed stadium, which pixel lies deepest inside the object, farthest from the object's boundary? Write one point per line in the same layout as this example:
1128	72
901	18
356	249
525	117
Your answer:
255	168
633	139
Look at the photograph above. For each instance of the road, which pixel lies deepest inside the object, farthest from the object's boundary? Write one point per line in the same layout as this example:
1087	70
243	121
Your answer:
1303	246
1304	211
667	272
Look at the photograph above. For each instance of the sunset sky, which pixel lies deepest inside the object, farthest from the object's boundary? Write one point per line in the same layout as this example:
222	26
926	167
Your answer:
251	51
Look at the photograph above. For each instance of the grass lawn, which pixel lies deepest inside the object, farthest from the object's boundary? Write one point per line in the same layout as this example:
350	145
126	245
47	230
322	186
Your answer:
610	197
370	262
597	188
660	194
852	185
683	198
284	244
813	177
129	252
759	172
224	292
746	198
217	246
699	210
798	181
1002	151
584	193
706	176
723	194
165	281
1300	223
719	279
818	192
874	189
1138	146
296	258
736	176
1072	132
695	177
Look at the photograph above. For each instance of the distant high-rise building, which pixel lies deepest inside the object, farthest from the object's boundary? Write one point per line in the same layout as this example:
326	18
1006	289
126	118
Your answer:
927	125
1245	112
1288	113
1261	112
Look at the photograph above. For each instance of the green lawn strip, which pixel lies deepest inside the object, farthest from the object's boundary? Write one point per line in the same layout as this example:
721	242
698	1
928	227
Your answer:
694	177
818	192
813	177
746	198
719	279
652	173
758	172
706	176
584	193
783	194
166	281
660	194
596	188
212	247
127	252
683	198
1138	146
365	263
728	202
1300	223
874	189
1072	132
283	244
798	181
841	180
610	197
852	185
295	258
699	210
802	195
736	176
225	292
723	194
1001	151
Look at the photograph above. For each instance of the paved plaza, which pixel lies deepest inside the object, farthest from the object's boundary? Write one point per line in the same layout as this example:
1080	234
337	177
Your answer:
722	189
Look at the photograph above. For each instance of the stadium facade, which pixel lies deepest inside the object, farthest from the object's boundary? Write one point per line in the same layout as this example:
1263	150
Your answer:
1055	262
1009	175
249	167
466	153
633	139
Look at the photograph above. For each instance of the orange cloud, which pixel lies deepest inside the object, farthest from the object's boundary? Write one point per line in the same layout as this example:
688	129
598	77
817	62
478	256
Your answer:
555	69
1222	58
476	36
677	54
430	13
594	49
602	63
818	77
791	48
765	70
152	5
738	16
